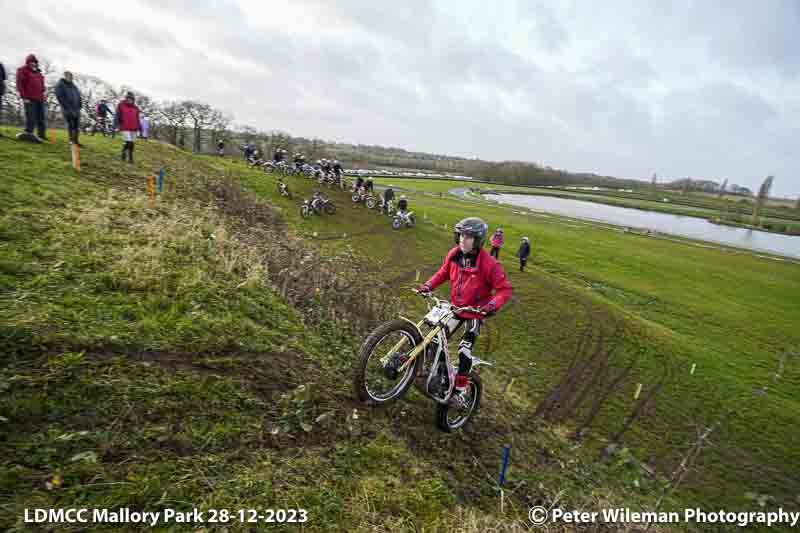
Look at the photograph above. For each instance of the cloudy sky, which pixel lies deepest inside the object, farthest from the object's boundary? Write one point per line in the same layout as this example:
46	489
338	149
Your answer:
626	88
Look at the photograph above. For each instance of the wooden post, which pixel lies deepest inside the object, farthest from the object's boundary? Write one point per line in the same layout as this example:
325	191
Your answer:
152	191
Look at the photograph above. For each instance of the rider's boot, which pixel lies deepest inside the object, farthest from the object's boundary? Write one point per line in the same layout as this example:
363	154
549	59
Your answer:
462	384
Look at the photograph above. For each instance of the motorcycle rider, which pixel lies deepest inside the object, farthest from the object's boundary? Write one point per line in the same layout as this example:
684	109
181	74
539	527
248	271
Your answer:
474	274
388	196
402	205
102	112
299	161
337	169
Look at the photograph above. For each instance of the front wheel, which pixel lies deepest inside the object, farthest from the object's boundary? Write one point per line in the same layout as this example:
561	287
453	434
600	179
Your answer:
377	378
452	417
305	211
356	198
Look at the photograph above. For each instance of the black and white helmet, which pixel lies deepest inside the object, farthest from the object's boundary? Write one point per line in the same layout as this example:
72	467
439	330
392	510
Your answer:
474	227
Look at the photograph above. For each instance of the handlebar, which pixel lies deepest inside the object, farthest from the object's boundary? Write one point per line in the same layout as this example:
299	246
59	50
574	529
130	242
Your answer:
468	309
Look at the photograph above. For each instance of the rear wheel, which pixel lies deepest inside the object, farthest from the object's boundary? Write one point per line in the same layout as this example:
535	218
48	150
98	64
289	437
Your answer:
451	417
378	379
370	202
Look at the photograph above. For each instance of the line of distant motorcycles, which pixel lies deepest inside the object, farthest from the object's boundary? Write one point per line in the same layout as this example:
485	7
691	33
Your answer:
318	204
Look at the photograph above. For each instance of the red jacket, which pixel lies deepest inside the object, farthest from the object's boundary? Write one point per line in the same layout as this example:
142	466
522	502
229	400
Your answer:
497	240
127	117
473	286
30	83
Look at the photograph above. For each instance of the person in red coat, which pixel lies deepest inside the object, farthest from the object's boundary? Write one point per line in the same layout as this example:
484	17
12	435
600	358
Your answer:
476	280
30	86
127	121
497	243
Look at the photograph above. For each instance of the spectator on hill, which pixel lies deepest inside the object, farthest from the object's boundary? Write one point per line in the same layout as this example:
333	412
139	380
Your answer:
145	123
30	86
69	98
127	121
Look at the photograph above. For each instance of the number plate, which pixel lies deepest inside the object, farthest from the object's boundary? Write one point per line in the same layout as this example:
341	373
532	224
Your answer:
436	314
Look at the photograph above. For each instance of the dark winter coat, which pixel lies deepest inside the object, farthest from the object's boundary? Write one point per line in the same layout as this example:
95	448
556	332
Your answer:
69	97
2	80
524	250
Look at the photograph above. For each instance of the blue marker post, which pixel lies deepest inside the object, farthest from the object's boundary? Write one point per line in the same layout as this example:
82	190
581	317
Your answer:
161	181
502	479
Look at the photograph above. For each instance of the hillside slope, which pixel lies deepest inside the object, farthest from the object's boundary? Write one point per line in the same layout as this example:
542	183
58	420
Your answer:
151	362
181	355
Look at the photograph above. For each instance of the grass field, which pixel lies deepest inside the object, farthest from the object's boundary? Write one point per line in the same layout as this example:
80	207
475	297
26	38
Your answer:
150	362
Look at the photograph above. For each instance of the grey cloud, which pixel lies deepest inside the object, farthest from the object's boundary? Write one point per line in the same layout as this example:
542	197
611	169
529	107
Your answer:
624	88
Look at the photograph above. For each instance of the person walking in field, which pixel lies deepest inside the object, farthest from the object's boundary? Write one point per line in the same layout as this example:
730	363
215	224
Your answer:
127	121
497	243
523	253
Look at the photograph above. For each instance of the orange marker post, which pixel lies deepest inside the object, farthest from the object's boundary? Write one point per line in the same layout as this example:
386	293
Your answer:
152	191
76	157
53	136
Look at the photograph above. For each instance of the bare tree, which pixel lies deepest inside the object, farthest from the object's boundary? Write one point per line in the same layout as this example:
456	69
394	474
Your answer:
201	117
763	194
175	117
722	188
220	122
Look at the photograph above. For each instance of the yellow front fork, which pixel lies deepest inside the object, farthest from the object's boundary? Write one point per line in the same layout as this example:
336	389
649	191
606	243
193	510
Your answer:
427	340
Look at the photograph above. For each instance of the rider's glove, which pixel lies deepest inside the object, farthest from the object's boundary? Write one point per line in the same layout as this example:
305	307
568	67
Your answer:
489	309
424	289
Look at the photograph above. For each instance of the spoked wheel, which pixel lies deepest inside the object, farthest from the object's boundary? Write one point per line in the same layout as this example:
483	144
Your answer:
356	197
378	379
396	223
305	211
453	416
370	202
